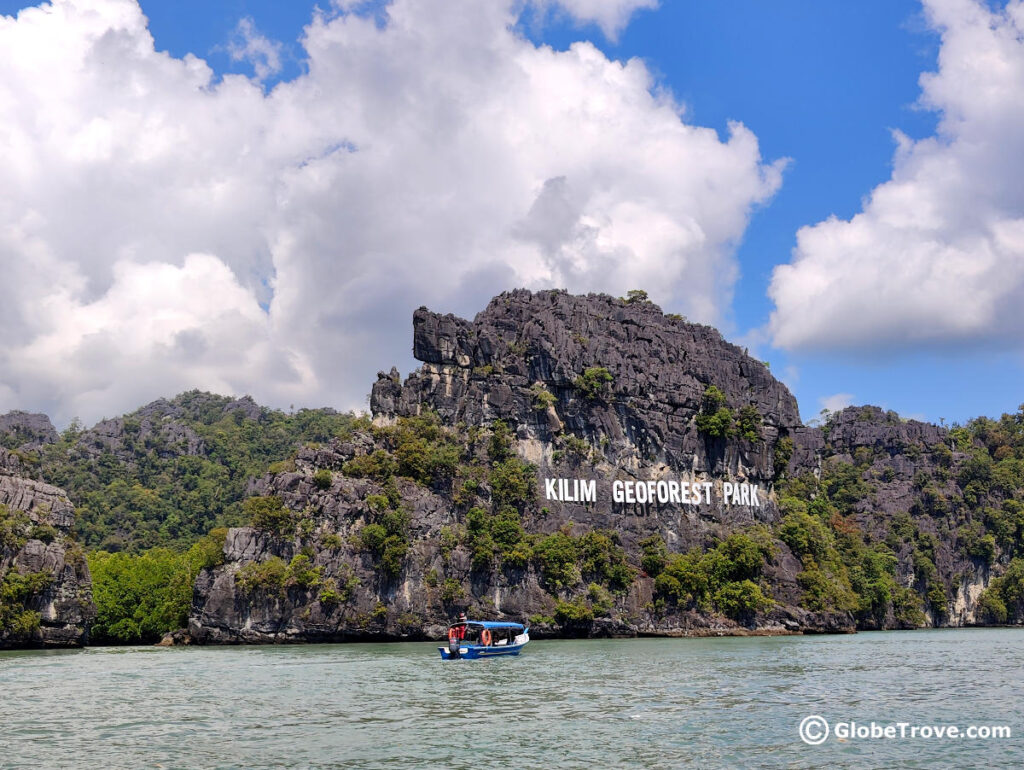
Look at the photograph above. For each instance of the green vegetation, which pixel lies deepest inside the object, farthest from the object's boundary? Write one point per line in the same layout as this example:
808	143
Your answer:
715	418
339	589
167	482
140	597
16	592
565	560
634	296
593	383
387	538
1003	600
15	527
323	479
726	578
542	397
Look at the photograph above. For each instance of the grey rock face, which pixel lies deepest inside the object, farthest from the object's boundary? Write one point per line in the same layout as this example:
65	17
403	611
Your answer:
521	361
526	342
65	606
26	431
524	360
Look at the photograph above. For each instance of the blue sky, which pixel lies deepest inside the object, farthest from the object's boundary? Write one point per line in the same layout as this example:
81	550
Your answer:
823	85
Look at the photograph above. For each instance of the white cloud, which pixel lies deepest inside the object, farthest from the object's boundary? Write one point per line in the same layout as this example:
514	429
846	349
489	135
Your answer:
611	16
160	231
247	44
937	254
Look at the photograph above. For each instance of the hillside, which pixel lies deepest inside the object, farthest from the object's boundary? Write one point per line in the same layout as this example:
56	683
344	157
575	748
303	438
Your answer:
586	463
443	503
168	473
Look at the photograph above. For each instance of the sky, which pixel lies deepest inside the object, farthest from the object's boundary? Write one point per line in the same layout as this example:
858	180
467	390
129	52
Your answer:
252	196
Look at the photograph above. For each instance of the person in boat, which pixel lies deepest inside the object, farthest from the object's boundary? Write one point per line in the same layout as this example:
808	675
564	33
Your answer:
458	630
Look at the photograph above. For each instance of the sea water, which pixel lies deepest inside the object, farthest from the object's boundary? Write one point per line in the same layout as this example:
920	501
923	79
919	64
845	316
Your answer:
658	703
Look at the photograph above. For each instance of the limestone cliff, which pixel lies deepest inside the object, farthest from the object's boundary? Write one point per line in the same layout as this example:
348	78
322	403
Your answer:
465	493
46	591
591	388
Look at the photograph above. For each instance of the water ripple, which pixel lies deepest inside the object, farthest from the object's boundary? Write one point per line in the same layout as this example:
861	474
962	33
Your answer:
659	703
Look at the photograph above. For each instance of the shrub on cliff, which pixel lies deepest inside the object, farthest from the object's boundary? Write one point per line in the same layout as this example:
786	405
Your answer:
741	600
593	382
323	479
16	592
1003	600
697	580
269	514
266	575
388	540
557	554
14	528
714	418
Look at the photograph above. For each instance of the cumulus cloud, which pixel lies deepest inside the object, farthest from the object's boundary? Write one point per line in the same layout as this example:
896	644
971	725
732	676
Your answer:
936	256
160	229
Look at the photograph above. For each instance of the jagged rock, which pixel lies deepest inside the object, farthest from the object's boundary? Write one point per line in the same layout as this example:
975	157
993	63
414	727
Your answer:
26	431
477	372
524	360
65	609
641	425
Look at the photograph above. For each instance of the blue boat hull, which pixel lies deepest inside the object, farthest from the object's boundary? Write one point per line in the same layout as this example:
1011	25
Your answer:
475	651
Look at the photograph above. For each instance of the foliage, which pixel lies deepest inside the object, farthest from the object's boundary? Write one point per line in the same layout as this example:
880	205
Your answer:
542	397
576	611
16	592
722	577
714	418
15	527
593	382
323	479
339	589
140	597
151	488
268	576
749	422
655	555
269	514
499	446
512	484
388	539
557	554
634	296
1003	600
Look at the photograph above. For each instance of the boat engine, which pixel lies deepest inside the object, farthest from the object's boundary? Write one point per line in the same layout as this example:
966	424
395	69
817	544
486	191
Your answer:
453	648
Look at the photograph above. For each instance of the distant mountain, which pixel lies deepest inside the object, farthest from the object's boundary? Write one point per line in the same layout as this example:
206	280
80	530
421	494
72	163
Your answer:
167	473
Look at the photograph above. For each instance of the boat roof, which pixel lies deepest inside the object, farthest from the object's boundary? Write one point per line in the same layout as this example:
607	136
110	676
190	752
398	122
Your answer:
492	624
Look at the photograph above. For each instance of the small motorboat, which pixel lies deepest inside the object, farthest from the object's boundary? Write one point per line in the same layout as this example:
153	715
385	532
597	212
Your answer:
473	639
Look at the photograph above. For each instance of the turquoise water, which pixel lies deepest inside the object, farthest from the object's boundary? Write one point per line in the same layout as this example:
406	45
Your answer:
659	703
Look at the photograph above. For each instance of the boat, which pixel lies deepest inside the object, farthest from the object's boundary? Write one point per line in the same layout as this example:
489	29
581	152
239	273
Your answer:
474	639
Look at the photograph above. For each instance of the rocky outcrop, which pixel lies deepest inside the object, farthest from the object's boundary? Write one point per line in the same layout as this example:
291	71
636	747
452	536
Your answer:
591	388
605	391
47	599
25	431
522	359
